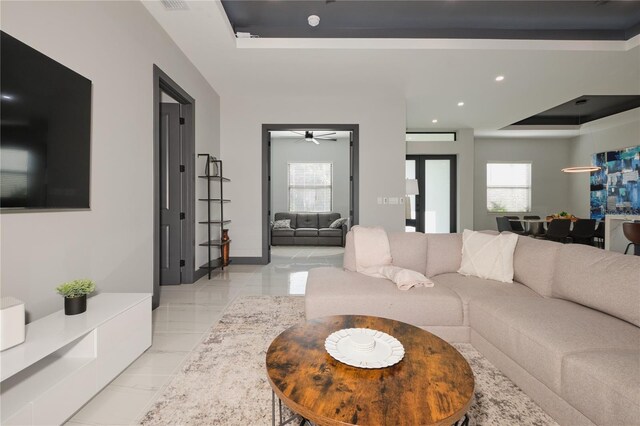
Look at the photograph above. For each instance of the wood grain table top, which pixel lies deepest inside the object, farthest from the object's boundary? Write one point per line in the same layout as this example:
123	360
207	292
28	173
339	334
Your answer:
432	385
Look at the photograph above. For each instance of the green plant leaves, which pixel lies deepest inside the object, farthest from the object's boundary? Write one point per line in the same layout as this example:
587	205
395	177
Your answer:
76	288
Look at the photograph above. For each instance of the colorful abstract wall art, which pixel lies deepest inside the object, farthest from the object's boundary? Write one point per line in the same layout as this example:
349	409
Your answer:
615	188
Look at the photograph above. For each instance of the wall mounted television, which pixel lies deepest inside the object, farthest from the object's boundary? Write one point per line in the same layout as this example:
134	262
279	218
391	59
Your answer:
45	131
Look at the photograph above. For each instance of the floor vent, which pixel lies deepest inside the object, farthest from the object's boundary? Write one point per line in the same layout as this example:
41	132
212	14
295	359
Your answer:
175	4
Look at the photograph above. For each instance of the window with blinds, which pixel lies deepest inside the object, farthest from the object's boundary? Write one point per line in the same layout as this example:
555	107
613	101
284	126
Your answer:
509	187
310	187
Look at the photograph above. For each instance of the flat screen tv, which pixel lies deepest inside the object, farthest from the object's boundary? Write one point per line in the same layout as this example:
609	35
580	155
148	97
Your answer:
45	134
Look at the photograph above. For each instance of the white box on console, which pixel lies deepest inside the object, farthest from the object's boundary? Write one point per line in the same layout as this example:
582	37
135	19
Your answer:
11	322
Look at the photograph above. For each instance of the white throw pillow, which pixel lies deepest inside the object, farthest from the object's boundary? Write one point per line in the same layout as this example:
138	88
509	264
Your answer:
488	256
282	224
338	223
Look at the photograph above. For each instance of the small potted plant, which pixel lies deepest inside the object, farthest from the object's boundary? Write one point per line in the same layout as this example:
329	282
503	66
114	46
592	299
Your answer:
75	295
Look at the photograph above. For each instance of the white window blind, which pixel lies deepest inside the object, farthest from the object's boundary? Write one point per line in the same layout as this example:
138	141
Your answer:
310	187
509	187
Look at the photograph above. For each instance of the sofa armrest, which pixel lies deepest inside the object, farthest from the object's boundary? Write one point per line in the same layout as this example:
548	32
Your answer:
345	229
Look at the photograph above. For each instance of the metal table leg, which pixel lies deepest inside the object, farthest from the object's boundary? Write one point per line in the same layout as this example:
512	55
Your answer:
282	422
464	421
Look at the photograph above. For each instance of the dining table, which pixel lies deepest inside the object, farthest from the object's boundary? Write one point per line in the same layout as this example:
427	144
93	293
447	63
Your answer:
533	227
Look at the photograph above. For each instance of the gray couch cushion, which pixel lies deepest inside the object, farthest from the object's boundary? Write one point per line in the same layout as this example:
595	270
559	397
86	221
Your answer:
533	263
537	333
470	288
326	219
291	216
306	232
603	280
408	250
282	232
604	385
307	220
333	291
444	253
330	232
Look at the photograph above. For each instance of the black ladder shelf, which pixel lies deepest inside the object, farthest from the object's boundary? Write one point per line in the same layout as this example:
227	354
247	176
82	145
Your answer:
212	201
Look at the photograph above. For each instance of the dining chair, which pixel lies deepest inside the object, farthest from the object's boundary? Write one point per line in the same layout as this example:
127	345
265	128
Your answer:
503	224
631	231
598	236
558	230
536	229
583	231
516	227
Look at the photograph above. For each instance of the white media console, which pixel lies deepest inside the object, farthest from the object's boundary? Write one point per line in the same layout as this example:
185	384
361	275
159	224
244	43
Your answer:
65	360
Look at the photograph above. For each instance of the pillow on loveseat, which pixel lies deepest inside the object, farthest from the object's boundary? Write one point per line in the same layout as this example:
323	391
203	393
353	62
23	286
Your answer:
282	224
488	256
336	224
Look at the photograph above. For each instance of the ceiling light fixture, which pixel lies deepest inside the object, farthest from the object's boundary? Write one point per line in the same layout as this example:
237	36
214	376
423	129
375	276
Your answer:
434	120
460	103
7	97
500	78
581	169
308	136
313	20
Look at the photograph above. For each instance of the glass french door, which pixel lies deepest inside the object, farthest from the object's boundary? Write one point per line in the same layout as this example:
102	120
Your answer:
434	208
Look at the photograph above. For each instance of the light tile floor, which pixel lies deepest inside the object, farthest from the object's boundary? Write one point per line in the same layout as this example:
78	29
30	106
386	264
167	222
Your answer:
185	314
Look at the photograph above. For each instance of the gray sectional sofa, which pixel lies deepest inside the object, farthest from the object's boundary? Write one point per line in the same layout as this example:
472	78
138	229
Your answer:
309	229
567	331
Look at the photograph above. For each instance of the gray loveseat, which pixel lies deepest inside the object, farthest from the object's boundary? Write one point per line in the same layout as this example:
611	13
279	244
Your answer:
567	331
309	229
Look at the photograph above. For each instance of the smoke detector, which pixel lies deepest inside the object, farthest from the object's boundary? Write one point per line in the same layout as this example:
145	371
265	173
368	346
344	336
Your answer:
313	20
175	4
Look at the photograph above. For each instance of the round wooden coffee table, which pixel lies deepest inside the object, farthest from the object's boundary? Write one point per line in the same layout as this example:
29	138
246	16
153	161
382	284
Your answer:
432	385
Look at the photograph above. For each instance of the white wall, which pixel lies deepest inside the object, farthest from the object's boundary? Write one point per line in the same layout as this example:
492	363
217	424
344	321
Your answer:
288	150
115	45
463	148
549	186
607	134
382	153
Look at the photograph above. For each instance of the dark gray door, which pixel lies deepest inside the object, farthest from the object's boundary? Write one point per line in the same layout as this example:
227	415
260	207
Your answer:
269	196
433	209
170	195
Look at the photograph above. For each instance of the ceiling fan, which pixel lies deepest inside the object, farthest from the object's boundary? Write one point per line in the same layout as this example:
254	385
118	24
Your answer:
314	137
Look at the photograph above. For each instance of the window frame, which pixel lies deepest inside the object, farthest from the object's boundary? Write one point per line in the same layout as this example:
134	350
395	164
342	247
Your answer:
289	186
530	187
435	140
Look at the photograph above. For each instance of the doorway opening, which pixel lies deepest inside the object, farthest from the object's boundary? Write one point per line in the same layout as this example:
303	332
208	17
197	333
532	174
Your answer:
310	179
173	184
432	208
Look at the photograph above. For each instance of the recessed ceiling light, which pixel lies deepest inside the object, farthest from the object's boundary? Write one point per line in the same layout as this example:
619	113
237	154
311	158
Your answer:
460	103
313	20
434	120
7	97
500	78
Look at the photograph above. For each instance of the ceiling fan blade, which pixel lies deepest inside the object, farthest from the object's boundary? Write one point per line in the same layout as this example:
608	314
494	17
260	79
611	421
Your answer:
327	139
315	141
326	134
299	140
297	133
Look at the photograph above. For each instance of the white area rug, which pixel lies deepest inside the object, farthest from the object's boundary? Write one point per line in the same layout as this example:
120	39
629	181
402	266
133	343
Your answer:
224	381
